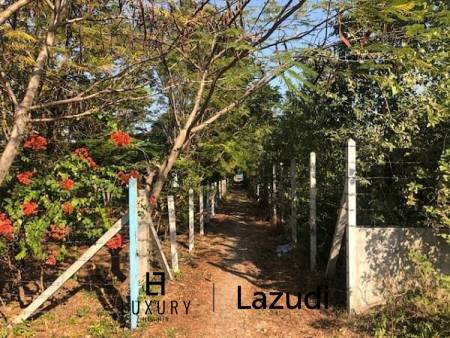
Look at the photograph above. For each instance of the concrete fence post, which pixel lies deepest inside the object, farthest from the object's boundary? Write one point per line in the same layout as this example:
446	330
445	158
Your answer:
200	211
173	233
350	181
191	219
144	248
281	195
274	195
312	210
293	218
213	199
133	251
208	202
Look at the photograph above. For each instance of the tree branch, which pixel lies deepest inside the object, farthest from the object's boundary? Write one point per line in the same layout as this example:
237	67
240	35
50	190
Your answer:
256	86
8	88
6	14
86	112
80	98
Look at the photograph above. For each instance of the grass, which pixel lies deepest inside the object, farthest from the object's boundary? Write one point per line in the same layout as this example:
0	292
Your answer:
178	274
23	330
83	311
103	328
171	332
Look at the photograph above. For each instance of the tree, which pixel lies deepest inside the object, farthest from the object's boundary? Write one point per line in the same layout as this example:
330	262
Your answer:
386	85
218	63
65	60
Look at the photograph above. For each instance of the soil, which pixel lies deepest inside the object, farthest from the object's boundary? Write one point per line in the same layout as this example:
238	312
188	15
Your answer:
238	249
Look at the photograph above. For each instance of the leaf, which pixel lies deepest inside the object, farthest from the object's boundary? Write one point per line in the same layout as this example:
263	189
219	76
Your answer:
16	34
405	7
22	254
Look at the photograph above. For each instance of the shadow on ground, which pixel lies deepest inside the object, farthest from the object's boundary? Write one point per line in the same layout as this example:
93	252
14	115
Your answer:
254	243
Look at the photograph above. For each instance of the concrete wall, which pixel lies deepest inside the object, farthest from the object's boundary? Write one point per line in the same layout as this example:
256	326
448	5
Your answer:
381	261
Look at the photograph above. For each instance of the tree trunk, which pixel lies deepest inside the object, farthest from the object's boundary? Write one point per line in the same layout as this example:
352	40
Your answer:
167	166
22	114
6	14
12	147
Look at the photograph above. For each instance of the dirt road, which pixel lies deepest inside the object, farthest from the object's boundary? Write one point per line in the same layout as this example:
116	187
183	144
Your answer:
239	249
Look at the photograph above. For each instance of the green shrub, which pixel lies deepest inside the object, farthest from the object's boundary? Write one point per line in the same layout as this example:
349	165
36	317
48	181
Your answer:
423	310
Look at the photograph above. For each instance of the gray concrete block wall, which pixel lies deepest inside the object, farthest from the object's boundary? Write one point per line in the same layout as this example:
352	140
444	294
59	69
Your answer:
382	261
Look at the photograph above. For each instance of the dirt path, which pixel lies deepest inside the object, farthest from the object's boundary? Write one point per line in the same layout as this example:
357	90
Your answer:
239	250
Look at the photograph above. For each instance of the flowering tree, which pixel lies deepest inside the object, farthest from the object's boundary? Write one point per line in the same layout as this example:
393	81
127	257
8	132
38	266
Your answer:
55	66
53	203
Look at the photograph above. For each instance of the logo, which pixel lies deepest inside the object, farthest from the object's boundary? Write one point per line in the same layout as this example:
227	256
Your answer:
148	306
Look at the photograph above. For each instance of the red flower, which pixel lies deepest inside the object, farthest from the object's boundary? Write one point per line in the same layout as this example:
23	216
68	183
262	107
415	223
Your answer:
36	142
115	243
51	260
6	228
30	208
25	177
58	233
83	154
124	177
152	200
91	163
120	138
67	184
67	208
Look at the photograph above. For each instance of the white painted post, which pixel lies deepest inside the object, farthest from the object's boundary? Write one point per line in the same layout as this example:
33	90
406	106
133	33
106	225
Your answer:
312	210
219	183
143	237
351	219
208	202
274	195
224	186
200	211
173	233
133	251
213	199
281	195
191	219
257	192
293	218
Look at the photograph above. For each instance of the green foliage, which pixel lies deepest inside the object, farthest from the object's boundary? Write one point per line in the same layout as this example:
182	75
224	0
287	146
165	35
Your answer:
423	310
91	199
237	142
103	328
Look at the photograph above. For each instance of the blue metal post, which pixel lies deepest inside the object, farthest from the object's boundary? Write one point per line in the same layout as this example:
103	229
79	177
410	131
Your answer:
133	225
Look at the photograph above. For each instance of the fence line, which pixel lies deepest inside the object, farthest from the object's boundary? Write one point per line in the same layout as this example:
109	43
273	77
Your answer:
133	228
191	219
312	211
293	216
86	256
200	211
173	233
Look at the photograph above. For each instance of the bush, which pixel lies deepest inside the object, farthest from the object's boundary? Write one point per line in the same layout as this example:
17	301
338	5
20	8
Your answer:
423	310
